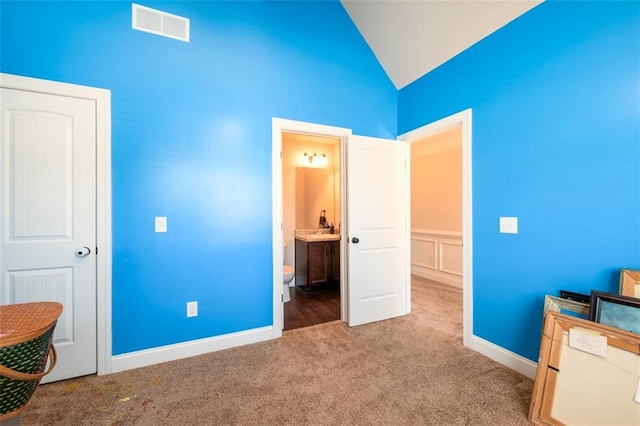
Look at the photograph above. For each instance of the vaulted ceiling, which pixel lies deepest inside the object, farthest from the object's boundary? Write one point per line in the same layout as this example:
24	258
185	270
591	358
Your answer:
412	37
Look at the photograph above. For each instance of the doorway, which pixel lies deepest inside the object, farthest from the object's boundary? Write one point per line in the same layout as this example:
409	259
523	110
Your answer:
280	127
311	166
463	121
376	265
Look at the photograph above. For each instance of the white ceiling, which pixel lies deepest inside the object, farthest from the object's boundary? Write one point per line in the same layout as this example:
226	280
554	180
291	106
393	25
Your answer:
412	37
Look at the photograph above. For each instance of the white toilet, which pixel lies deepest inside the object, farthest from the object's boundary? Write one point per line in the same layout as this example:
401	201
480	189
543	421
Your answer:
287	276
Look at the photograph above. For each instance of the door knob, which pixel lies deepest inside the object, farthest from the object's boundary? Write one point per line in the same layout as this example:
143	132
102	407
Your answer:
83	252
355	240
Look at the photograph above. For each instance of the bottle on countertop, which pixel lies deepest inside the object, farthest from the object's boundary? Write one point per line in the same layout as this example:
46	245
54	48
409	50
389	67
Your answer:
322	222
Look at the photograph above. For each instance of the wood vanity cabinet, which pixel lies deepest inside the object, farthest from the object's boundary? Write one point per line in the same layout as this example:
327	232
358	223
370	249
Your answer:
317	263
335	261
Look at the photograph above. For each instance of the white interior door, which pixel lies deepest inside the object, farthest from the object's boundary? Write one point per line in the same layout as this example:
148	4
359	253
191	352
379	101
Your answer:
377	202
48	223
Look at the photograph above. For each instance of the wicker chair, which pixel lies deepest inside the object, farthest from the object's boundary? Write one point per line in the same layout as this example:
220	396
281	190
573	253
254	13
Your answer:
26	332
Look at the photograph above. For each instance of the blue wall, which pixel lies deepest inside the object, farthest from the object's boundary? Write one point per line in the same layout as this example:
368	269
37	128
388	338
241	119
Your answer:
191	140
556	142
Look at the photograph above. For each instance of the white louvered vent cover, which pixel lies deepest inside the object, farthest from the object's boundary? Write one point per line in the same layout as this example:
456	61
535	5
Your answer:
158	22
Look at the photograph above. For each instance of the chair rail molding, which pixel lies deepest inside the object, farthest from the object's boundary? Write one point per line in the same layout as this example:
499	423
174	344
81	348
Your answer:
437	255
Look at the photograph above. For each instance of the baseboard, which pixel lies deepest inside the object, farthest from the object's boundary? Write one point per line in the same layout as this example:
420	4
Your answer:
153	356
507	358
433	275
177	351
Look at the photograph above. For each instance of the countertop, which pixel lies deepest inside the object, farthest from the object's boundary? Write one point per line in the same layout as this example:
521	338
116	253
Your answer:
312	238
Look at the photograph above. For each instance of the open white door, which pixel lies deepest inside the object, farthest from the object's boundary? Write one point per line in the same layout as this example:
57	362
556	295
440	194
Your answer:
377	202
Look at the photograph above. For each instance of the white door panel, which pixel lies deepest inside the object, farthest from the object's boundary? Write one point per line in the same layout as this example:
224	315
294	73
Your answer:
48	208
377	218
46	285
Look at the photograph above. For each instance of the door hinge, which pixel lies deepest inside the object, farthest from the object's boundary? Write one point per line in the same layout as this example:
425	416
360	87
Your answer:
96	251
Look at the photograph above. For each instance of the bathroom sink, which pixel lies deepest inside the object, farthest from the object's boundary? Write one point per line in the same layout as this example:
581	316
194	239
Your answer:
318	237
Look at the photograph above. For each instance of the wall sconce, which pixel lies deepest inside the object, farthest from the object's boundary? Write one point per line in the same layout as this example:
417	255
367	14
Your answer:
315	159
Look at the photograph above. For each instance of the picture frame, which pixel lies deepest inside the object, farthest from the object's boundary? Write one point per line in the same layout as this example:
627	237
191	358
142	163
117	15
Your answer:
630	282
566	306
578	297
615	310
580	363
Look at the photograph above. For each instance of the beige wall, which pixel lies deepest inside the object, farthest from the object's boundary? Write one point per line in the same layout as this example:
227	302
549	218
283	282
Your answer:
318	193
436	182
436	207
314	192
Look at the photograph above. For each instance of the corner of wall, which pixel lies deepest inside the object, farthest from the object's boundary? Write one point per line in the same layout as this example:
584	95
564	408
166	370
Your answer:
507	358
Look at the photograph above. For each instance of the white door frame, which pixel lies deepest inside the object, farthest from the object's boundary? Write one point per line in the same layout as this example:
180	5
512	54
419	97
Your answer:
462	118
102	99
278	126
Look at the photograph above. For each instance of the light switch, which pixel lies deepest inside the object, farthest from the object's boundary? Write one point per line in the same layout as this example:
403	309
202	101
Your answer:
161	224
508	225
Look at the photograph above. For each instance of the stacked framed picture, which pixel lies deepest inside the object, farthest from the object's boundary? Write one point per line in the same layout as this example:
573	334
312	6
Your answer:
587	374
630	283
616	310
589	366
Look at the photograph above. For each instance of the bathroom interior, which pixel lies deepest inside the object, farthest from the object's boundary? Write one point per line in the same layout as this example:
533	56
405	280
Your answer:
311	229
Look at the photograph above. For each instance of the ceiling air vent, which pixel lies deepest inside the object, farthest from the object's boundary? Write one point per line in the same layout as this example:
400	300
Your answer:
160	23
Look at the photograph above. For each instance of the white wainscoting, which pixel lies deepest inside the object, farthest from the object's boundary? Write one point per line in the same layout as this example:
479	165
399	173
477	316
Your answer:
437	255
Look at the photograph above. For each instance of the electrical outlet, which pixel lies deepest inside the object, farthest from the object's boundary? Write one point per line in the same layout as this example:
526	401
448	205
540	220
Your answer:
192	309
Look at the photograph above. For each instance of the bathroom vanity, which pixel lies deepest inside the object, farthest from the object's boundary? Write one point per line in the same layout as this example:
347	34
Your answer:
317	261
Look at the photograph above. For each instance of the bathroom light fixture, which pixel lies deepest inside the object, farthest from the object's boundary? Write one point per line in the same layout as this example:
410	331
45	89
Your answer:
315	159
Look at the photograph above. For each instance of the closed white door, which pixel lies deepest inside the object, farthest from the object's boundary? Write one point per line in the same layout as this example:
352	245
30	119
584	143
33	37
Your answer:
377	185
48	223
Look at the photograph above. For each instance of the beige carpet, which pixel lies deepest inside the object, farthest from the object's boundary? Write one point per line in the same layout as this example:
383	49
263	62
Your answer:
405	371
